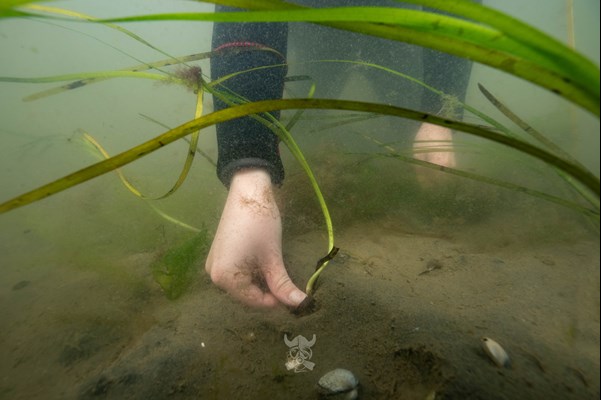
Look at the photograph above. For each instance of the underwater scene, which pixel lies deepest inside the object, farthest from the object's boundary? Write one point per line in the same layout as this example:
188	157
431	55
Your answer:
440	204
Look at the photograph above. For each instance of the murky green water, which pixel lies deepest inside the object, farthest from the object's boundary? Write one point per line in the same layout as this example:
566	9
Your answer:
82	315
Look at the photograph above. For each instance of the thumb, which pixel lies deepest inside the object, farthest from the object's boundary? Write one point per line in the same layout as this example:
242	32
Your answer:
282	287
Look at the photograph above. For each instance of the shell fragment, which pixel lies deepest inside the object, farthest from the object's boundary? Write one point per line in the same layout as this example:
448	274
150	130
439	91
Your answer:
495	352
339	381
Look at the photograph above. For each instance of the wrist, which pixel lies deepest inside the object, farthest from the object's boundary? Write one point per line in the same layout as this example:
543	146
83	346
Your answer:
251	180
226	171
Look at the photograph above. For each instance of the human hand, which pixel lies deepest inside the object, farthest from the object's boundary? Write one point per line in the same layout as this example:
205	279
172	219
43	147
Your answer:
429	138
246	255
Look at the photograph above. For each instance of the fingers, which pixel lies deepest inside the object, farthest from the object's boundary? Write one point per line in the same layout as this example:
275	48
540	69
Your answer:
239	284
253	296
281	285
259	287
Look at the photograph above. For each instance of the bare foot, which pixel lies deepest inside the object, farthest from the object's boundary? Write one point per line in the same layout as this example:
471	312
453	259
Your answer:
434	144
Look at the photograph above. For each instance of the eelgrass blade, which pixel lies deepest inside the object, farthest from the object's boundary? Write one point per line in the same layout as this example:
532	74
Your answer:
86	75
198	149
544	141
353	119
452	35
81	81
7	8
392	153
585	177
432	89
499	183
187	164
582	69
77	15
84	79
192	145
319	268
103	153
574	64
523	125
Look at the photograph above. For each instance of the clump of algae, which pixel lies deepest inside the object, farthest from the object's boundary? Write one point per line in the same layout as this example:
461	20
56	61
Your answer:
175	271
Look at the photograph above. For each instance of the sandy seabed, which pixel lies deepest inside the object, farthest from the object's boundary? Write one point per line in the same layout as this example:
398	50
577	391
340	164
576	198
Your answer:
402	308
